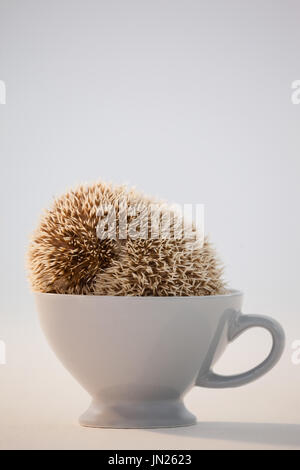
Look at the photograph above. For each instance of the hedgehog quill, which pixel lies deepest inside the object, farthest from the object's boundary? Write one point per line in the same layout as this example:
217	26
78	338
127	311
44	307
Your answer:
68	254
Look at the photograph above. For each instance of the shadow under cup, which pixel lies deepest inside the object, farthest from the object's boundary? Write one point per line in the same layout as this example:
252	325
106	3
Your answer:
138	356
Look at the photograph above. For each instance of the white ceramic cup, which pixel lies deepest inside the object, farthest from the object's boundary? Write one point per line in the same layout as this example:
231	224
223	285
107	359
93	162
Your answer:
138	356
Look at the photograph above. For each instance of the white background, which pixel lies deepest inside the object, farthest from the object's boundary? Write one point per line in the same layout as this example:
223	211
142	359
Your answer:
189	101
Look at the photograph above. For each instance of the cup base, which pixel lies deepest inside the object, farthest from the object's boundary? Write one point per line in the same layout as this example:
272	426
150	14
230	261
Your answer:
134	415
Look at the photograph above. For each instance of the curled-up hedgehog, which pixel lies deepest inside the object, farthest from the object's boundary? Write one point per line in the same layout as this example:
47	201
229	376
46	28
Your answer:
112	240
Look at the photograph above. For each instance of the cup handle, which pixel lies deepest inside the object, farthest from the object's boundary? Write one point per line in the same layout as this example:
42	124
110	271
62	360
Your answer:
236	328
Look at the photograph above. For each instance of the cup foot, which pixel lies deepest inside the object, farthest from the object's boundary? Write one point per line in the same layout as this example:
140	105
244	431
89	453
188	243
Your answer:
158	414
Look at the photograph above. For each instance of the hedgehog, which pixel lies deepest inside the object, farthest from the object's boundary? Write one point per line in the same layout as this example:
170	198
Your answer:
90	242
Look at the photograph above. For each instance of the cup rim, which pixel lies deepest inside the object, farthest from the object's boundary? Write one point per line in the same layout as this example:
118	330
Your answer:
230	293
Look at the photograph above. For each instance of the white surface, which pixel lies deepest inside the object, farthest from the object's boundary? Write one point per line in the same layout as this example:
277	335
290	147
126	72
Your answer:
40	404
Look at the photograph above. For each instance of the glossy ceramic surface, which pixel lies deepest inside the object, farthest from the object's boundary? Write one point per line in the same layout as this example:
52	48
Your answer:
138	356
